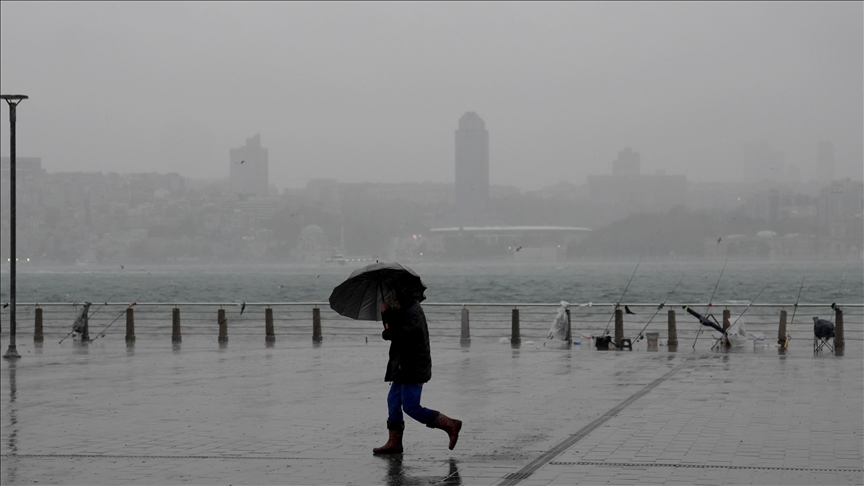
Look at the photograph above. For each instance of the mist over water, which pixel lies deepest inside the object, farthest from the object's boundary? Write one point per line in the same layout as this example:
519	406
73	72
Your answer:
457	283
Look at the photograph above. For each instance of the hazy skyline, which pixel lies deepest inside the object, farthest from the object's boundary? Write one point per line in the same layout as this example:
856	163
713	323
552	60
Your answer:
374	91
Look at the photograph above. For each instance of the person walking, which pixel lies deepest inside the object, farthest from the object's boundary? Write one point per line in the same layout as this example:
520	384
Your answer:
408	368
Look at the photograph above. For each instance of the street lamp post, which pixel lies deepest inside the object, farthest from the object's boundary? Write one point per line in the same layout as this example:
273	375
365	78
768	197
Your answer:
13	101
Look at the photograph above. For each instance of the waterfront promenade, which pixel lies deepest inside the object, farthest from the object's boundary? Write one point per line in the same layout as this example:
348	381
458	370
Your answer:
296	413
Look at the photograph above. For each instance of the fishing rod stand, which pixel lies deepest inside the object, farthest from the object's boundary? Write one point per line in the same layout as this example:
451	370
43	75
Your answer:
700	331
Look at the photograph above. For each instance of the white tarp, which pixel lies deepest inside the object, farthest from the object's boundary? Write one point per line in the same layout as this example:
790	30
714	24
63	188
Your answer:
559	325
81	319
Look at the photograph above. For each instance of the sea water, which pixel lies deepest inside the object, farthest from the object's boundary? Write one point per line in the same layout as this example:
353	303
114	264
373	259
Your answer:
451	282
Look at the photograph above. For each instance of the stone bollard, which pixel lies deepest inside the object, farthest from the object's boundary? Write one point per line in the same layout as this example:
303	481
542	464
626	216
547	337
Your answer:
726	315
839	338
38	337
130	326
175	326
569	330
515	335
466	330
673	332
781	331
619	328
316	325
270	336
223	326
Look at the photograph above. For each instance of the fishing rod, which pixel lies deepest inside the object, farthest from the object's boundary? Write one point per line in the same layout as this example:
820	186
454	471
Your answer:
103	304
618	303
794	310
69	334
834	304
73	326
739	317
711	302
659	307
102	334
91	315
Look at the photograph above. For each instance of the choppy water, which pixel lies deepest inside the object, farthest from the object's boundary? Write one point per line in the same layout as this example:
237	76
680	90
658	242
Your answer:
526	283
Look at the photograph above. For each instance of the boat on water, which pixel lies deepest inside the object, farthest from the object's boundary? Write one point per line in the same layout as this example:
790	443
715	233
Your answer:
336	258
340	259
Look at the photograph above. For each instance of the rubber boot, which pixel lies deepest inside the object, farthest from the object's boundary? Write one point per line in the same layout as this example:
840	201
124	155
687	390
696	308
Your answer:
449	425
394	442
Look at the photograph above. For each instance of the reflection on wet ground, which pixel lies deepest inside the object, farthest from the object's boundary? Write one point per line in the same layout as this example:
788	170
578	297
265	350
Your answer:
11	406
304	413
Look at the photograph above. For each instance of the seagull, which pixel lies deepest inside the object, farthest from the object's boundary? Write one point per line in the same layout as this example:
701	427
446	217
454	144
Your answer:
242	162
281	286
518	248
718	239
121	267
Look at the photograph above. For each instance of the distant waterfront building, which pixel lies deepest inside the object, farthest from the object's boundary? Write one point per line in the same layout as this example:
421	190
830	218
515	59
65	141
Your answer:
841	200
248	171
29	181
312	246
825	161
326	194
627	190
472	168
627	163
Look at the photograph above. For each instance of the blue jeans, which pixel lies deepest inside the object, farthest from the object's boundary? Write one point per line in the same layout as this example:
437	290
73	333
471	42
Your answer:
404	396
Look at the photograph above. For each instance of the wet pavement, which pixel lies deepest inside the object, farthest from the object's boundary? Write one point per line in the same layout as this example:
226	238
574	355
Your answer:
296	413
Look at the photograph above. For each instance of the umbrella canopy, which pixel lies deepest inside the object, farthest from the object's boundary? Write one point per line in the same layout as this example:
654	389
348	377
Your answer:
360	296
704	320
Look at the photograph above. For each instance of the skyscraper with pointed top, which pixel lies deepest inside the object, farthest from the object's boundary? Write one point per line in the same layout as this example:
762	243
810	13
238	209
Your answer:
472	169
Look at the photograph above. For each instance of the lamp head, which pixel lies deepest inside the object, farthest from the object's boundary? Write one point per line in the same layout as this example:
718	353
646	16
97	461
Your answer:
14	99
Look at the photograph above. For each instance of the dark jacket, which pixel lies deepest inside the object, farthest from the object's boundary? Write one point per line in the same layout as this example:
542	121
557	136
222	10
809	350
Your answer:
410	358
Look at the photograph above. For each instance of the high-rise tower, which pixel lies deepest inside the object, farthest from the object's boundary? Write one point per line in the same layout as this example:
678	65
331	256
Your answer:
248	172
472	169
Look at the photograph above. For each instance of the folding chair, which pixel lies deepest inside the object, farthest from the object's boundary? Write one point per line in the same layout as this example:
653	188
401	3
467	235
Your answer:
823	335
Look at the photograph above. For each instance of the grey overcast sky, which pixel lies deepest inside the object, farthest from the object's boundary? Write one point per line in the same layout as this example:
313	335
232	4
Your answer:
373	91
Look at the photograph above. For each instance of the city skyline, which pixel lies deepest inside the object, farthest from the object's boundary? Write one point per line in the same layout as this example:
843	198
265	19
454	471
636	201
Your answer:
372	90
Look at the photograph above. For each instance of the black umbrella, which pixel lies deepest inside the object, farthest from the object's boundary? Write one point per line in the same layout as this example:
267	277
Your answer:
360	296
704	320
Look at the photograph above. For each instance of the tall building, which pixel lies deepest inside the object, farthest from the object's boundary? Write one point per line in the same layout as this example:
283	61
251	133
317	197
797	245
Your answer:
825	161
627	163
629	191
472	169
249	168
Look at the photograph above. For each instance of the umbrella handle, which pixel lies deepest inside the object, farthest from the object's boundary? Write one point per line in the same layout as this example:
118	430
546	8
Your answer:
381	289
